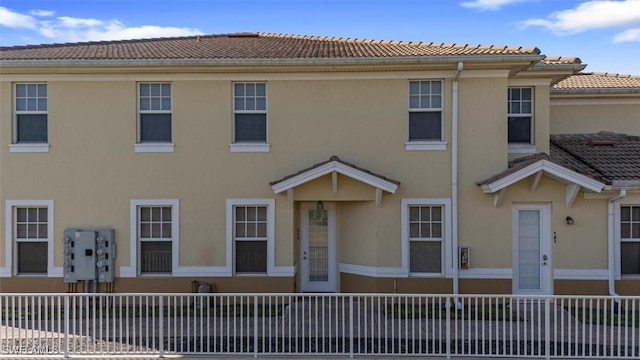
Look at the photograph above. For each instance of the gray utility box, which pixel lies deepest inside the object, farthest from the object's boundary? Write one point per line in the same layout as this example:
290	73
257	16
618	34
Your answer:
89	254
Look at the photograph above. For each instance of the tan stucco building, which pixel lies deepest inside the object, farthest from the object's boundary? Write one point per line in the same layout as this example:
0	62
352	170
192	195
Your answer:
273	163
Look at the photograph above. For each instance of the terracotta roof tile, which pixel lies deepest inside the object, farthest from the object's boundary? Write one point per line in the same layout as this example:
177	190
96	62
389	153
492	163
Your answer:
606	157
248	46
554	60
598	81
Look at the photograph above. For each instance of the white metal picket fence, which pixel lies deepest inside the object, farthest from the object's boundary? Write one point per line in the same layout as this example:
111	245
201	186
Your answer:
66	325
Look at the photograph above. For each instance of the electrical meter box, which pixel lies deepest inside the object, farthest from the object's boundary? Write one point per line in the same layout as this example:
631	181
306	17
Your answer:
89	254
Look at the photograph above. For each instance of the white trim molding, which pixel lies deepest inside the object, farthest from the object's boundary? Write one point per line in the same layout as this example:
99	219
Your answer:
133	269
486	273
9	269
250	147
549	167
581	274
29	148
522	149
340	168
154	147
372	271
425	146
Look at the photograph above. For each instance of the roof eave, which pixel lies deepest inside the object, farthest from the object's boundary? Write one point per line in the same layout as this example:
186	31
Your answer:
596	91
427	59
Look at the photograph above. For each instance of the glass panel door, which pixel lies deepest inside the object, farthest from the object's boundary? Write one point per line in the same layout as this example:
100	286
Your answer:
318	248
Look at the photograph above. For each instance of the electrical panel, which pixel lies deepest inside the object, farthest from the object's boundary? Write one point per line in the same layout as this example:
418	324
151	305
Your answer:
89	254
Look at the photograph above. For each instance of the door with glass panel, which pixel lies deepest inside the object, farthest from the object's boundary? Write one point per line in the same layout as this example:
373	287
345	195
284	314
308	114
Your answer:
532	249
318	247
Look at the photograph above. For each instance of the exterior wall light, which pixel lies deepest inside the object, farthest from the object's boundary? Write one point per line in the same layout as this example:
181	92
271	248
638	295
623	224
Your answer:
569	220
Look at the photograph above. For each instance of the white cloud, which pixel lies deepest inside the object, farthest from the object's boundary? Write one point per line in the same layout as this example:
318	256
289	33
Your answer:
596	14
14	20
70	29
489	4
43	13
628	35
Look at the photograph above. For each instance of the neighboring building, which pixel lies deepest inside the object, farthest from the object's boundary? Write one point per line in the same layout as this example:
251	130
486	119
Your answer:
278	163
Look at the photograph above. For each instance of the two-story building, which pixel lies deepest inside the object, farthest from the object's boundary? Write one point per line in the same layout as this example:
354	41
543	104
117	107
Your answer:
277	163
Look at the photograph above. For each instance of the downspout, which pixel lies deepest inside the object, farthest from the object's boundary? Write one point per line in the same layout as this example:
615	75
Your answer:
611	242
454	183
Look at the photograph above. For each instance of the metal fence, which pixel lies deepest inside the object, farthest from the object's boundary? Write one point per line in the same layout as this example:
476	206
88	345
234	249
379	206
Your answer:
320	324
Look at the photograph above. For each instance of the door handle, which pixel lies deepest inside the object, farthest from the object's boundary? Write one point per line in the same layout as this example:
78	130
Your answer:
544	259
304	255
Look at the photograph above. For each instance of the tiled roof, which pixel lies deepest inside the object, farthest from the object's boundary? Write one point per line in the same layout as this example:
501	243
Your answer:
561	60
605	156
598	81
249	46
610	158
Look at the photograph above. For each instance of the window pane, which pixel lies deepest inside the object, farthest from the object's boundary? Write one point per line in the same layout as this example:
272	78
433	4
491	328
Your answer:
21	90
156	230
251	213
414	87
414	213
414	230
425	126
240	213
21	104
166	213
144	90
526	107
436	230
425	256
436	87
166	104
240	232
251	128
261	89
145	231
21	214
436	213
251	256
156	214
166	230
32	257
239	89
32	90
425	87
250	89
519	130
630	258
42	214
251	230
425	102
635	213
32	214
21	231
42	105
155	127
526	93
239	103
425	213
155	257
625	213
32	128
42	231
145	214
166	90
261	103
436	101
514	94
155	89
635	230
425	230
414	102
262	230
250	104
155	104
262	213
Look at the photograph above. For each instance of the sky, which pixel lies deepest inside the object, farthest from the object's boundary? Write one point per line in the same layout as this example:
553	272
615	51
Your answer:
605	34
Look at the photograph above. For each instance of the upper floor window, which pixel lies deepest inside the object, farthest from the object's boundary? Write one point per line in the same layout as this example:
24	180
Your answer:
154	113
31	113
630	240
520	115
425	110
250	113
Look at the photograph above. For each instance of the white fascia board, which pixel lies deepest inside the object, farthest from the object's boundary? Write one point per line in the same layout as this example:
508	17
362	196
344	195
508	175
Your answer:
549	167
338	167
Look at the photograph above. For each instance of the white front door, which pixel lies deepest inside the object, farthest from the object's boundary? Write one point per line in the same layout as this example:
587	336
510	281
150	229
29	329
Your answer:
532	250
318	247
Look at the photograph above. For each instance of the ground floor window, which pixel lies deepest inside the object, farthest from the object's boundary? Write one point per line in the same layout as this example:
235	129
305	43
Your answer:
251	230
156	236
630	240
31	227
424	234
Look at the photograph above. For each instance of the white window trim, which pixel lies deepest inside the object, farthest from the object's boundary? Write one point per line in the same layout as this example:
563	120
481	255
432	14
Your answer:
153	146
447	261
29	148
10	267
631	200
133	269
247	147
426	145
272	270
17	147
524	148
250	147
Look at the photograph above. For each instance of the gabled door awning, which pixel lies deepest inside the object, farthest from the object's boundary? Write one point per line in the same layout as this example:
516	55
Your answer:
535	166
335	166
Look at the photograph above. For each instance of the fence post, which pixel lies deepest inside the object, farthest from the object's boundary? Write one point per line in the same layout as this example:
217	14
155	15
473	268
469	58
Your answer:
67	308
161	326
547	328
255	326
448	327
351	326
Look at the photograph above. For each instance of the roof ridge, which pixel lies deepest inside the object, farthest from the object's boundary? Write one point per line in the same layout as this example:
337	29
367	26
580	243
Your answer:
399	42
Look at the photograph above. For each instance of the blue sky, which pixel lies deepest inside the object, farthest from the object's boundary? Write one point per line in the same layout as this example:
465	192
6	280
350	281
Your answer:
605	34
